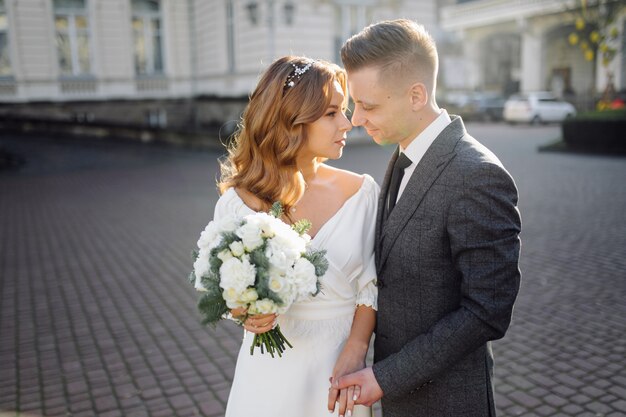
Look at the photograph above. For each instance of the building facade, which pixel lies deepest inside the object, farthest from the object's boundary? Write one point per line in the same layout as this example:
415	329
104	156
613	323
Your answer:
144	60
522	45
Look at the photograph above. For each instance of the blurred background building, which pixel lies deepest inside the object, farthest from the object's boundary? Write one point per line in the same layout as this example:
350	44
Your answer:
524	45
190	64
166	63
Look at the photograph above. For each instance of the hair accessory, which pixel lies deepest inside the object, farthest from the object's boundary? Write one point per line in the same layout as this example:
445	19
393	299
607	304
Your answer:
296	74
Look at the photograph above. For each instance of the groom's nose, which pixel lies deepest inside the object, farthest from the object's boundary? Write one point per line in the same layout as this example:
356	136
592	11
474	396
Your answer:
357	117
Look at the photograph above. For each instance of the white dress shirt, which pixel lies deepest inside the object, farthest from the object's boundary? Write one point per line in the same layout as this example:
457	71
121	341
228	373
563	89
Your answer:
416	149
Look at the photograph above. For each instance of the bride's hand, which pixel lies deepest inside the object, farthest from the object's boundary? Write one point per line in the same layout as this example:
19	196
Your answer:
351	359
238	312
260	323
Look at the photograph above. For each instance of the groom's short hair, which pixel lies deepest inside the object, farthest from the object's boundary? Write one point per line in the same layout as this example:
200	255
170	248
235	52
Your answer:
400	48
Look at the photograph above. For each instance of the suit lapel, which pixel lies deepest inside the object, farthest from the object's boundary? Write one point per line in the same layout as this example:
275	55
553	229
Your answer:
381	204
440	153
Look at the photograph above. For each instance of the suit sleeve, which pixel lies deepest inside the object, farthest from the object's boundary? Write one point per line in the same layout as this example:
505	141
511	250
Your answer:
483	225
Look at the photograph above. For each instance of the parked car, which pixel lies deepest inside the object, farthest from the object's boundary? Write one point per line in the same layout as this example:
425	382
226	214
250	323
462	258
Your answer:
539	107
484	107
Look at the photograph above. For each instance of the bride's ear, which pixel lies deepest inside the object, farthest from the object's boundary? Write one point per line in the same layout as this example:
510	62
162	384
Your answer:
418	96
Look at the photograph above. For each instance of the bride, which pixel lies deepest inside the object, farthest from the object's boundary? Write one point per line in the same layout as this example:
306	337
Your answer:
295	120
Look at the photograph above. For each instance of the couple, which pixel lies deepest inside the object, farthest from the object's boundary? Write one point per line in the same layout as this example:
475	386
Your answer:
430	263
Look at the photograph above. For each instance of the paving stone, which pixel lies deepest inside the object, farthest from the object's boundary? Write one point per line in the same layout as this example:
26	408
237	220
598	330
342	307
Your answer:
545	410
598	408
111	345
572	409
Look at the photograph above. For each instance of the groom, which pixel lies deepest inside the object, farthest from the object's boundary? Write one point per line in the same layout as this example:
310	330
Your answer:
446	234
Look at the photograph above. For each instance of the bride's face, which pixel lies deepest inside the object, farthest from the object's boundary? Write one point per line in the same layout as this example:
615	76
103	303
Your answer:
327	135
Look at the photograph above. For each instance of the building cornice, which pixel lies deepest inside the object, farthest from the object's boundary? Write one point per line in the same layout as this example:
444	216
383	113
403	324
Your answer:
489	12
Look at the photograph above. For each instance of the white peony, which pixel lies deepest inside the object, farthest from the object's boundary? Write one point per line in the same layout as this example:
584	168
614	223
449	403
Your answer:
237	248
237	274
264	222
229	223
288	295
210	236
304	278
277	256
290	243
250	235
201	268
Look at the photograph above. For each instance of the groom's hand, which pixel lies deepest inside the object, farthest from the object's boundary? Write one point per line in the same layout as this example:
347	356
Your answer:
370	390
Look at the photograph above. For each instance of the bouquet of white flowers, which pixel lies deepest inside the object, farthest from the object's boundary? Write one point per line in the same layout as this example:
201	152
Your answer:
259	263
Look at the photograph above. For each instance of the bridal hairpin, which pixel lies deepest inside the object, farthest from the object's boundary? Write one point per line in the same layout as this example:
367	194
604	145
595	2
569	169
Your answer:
296	74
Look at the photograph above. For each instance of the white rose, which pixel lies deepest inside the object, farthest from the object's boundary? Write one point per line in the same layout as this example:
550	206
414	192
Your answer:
277	284
252	310
250	235
249	295
237	274
224	255
236	248
304	277
233	298
265	306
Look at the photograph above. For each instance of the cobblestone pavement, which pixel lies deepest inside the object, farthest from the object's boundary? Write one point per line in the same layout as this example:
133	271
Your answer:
96	318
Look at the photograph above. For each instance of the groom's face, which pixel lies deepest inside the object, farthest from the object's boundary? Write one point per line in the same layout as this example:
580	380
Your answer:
382	107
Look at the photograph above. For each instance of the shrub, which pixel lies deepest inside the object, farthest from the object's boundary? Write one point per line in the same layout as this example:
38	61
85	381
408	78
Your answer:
603	131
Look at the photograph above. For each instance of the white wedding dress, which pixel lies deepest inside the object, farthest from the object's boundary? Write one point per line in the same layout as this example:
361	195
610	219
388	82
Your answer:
297	383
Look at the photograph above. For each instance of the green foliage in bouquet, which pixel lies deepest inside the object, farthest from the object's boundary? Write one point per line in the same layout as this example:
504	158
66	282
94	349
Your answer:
319	261
212	305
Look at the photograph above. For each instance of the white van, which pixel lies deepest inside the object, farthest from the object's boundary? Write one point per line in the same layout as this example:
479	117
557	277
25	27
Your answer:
538	107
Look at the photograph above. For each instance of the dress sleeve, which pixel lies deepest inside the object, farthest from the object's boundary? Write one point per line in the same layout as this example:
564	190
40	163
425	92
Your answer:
367	294
221	207
229	204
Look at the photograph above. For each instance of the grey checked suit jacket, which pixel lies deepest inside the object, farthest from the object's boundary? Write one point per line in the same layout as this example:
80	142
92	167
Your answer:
447	261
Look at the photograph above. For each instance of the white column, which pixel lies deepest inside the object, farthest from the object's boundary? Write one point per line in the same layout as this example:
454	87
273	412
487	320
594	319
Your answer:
473	54
532	56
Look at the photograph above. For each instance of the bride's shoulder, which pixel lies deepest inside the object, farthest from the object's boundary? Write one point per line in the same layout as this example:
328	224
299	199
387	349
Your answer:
352	182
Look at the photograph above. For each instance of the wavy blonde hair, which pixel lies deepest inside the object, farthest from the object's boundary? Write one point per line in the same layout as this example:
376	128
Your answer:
273	130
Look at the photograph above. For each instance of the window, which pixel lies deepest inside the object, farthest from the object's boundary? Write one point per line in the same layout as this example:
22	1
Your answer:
350	17
5	63
147	37
72	33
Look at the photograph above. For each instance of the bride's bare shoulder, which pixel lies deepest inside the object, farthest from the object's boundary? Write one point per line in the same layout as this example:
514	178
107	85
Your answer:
348	181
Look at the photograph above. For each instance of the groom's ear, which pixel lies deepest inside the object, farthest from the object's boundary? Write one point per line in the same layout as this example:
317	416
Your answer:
418	95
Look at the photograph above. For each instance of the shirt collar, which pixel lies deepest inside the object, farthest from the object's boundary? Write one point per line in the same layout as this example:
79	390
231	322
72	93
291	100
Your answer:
418	147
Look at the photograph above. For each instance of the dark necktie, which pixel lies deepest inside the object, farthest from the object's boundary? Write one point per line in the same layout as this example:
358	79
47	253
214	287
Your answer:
401	163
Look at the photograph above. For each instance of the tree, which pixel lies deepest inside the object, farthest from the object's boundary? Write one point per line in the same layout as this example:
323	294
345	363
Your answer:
597	35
